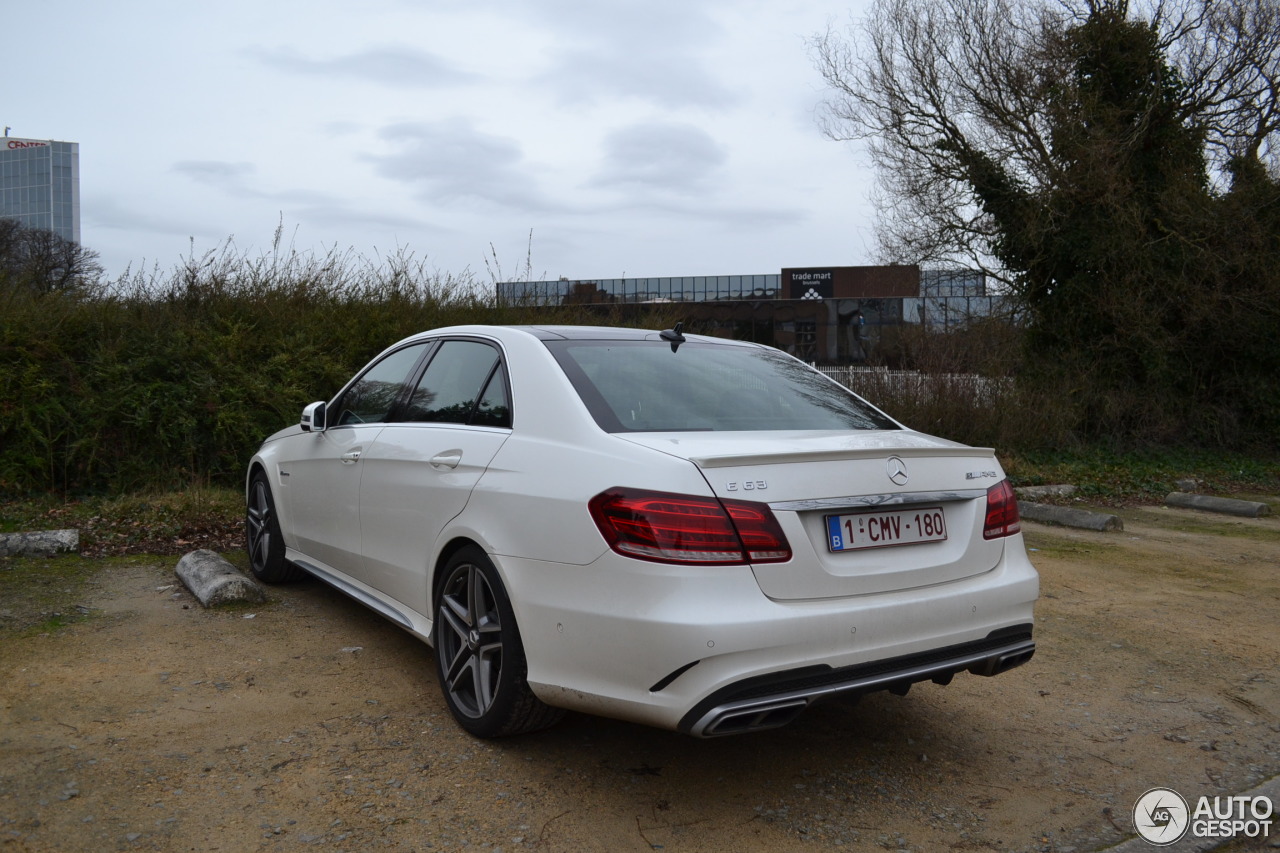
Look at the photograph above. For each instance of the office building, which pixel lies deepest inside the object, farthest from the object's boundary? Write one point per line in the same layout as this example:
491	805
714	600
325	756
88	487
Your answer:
40	184
828	315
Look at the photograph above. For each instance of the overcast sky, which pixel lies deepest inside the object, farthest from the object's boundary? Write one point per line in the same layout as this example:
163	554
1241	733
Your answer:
632	137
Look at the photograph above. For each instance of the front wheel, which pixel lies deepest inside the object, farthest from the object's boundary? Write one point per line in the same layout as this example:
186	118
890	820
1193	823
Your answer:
479	656
263	537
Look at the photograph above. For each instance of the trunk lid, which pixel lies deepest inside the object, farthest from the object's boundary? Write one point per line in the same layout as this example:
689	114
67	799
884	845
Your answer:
885	486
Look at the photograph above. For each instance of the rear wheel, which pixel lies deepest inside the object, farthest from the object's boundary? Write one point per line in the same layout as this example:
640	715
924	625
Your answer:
263	537
479	656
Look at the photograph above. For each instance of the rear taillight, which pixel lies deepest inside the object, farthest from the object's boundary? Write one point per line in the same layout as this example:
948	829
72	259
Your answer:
1002	512
669	528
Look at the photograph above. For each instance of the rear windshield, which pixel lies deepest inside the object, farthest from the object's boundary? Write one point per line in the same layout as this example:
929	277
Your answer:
642	386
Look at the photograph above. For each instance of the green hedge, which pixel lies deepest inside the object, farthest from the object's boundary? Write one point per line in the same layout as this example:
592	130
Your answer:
157	382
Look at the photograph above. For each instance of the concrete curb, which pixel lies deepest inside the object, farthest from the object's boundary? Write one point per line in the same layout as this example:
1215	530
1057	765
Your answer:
39	543
1031	493
1069	516
1209	503
1189	844
214	581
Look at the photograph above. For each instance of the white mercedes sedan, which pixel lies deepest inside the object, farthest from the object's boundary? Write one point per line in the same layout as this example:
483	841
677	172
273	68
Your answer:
687	532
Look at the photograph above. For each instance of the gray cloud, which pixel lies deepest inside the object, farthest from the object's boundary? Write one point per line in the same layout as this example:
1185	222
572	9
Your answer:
698	212
665	77
671	158
646	49
389	65
236	179
215	173
451	161
108	212
635	24
340	215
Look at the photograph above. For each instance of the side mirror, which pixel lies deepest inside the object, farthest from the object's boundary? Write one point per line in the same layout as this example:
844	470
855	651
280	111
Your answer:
313	417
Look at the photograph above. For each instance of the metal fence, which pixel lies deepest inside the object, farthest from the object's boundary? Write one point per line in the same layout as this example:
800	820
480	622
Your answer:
870	380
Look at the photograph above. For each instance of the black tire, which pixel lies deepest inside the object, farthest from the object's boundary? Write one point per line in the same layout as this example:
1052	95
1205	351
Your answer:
479	657
263	538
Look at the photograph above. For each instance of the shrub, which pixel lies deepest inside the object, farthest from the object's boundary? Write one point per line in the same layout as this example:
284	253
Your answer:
165	380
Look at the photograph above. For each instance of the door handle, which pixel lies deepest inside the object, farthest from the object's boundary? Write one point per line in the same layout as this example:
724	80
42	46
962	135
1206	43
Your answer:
448	459
351	456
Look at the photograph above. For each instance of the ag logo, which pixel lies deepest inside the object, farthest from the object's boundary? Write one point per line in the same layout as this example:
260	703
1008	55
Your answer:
1161	816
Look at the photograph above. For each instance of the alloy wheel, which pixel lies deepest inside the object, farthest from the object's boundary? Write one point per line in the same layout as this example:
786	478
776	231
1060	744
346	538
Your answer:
471	641
258	519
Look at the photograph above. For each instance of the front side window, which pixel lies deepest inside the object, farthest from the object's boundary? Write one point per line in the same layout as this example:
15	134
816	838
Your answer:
462	384
371	397
642	386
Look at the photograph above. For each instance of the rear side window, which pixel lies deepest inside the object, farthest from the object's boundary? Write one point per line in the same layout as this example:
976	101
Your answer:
642	386
461	385
495	408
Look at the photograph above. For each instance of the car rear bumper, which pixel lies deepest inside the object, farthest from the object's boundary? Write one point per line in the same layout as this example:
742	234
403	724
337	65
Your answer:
705	652
766	702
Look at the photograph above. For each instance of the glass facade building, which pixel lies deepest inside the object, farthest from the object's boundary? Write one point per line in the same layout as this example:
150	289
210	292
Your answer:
830	315
950	298
40	184
688	288
927	292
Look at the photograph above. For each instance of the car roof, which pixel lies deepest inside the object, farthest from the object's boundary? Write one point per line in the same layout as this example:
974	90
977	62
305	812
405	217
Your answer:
613	333
586	333
575	333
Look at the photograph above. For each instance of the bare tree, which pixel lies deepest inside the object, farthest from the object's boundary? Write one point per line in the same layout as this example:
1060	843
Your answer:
1115	164
928	84
1229	55
40	261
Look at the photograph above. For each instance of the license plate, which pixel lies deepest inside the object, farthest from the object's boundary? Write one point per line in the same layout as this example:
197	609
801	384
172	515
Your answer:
881	528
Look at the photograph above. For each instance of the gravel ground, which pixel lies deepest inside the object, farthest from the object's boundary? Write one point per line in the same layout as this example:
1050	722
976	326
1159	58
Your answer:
136	720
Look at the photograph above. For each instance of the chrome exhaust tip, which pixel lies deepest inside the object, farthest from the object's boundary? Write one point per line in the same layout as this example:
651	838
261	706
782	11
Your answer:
1003	663
753	719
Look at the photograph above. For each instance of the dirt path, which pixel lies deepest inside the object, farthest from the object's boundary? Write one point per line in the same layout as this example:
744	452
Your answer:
309	723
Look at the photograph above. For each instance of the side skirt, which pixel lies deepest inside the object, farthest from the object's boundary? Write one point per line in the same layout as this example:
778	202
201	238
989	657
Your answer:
373	602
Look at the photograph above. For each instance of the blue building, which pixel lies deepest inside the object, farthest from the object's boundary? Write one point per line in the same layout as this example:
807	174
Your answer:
40	184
